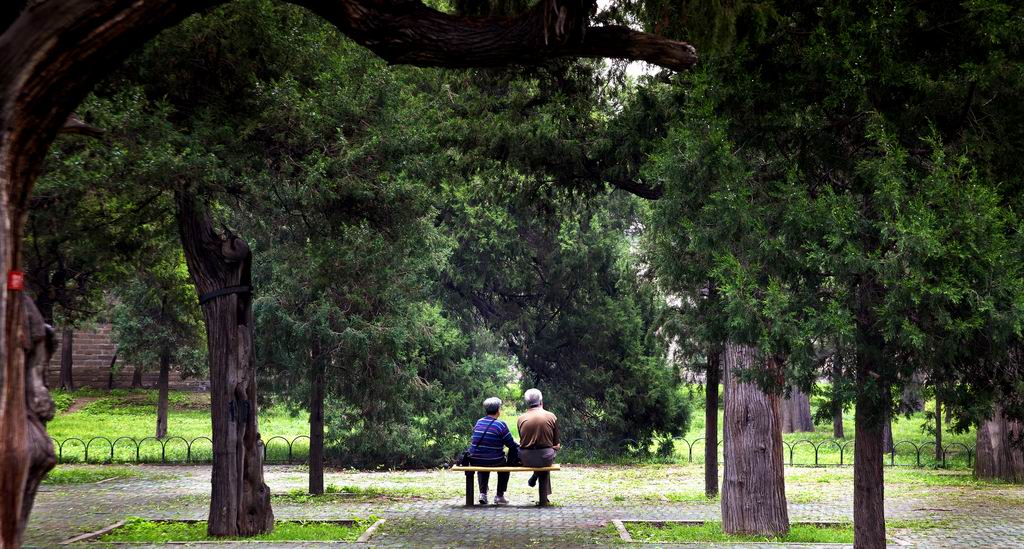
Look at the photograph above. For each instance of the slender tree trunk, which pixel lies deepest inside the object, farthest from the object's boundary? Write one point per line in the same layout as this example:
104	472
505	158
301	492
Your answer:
240	500
938	428
796	413
711	424
137	377
316	423
997	458
161	406
110	374
67	339
753	487
872	402
837	398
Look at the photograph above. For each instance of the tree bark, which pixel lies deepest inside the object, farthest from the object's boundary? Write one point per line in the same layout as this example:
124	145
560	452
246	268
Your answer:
316	425
871	417
938	428
240	501
67	350
26	451
753	487
796	413
711	424
161	406
997	458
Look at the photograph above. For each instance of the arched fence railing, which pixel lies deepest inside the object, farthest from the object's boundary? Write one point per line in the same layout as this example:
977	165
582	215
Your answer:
295	450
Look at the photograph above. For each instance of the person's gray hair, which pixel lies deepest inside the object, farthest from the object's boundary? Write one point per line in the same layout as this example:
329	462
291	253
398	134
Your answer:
533	398
492	405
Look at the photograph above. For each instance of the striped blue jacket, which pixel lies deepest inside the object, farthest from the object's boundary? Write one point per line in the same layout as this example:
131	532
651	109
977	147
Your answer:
490	436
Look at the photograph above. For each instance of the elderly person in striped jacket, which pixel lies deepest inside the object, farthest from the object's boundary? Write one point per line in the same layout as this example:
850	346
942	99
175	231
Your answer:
487	448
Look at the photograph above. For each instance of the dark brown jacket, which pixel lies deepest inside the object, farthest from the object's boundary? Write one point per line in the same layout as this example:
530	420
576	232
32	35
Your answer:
538	428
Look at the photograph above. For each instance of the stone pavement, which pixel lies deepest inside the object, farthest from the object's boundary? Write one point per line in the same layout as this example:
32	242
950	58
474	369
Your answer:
424	508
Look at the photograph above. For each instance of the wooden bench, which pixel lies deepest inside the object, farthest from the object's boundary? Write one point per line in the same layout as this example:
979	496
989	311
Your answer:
543	480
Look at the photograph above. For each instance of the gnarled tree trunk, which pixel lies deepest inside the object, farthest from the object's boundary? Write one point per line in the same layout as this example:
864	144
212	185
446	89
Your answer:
997	458
67	349
25	404
753	487
796	413
161	405
711	424
220	268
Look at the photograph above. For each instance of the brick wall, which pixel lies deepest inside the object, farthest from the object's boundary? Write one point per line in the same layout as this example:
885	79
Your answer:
92	351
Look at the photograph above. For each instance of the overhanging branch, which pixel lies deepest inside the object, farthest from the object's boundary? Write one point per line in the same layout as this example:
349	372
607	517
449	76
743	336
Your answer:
408	32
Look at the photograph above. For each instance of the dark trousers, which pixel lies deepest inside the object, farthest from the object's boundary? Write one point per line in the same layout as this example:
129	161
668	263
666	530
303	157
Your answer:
541	457
484	477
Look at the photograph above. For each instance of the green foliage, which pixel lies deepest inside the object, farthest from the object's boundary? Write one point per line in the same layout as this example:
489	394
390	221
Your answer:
138	529
843	182
557	282
157	315
62	401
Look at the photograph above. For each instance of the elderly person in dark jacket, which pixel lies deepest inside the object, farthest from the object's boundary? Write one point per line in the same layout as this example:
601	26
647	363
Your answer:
538	434
490	437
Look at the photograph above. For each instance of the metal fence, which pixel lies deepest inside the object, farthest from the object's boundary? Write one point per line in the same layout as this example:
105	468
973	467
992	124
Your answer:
295	450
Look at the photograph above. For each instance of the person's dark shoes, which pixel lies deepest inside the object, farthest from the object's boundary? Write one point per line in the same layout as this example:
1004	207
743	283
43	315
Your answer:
500	500
533	480
483	498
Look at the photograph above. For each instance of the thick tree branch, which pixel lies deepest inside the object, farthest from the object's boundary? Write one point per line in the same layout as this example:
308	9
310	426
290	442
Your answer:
408	32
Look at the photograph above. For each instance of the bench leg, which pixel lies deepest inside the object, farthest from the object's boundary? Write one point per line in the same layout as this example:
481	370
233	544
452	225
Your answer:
544	486
469	488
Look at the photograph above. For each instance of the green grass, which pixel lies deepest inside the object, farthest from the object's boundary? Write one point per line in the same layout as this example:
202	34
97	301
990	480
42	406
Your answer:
132	413
141	530
668	532
64	474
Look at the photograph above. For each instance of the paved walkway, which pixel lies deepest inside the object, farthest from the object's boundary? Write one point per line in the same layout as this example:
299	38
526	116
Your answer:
424	508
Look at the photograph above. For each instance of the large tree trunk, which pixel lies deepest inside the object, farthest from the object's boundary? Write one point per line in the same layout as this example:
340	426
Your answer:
871	418
161	406
137	377
26	451
997	458
67	350
316	423
753	487
796	413
220	268
711	424
938	428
